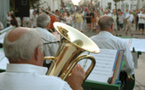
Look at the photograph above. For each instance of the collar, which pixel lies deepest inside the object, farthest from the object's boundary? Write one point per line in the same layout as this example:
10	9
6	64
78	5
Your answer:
105	33
41	28
25	68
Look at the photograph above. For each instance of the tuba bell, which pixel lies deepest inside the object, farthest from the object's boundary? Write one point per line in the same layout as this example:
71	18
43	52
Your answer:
72	44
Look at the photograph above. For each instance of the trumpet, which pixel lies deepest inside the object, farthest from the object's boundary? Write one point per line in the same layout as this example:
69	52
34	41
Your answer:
72	44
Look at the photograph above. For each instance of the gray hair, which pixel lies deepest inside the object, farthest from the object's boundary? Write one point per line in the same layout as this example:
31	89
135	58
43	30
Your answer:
24	47
105	23
43	20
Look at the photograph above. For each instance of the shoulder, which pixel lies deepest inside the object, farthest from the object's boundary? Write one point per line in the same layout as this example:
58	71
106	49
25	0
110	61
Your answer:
54	82
44	32
121	42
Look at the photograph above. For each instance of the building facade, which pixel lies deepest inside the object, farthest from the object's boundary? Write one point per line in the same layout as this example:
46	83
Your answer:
53	4
122	4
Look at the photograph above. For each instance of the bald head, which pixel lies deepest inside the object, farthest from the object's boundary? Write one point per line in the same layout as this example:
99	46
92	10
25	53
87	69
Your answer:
105	22
21	43
16	33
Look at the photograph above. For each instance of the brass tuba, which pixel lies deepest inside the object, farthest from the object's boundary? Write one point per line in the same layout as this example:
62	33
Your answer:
72	44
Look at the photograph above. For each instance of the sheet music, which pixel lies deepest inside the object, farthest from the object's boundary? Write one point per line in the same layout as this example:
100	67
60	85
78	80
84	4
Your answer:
128	41
103	70
3	60
138	44
2	37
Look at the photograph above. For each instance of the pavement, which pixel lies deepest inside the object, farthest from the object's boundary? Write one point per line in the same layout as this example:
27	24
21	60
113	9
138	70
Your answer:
140	71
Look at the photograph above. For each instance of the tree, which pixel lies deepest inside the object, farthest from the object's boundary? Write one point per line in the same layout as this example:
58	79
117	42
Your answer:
12	3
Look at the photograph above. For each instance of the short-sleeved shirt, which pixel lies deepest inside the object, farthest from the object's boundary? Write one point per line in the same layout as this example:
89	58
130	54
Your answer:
130	18
121	19
79	18
142	21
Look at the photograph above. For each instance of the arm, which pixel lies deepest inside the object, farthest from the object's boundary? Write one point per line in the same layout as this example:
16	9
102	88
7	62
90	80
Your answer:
129	60
76	79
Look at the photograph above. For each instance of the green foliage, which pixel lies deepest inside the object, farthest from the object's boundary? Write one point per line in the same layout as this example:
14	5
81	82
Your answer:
12	4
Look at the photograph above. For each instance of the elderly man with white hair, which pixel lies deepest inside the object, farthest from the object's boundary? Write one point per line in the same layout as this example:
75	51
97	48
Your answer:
24	49
106	40
43	22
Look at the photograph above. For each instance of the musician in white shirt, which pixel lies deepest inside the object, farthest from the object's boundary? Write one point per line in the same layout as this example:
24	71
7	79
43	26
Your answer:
43	22
24	49
106	40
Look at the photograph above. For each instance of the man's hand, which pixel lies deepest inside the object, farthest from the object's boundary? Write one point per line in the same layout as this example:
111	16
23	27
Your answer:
77	77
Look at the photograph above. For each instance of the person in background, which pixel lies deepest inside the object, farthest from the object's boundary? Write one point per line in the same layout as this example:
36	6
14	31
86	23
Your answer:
79	20
24	49
142	21
129	18
88	19
43	23
92	19
1	26
73	19
31	12
34	18
14	21
97	16
137	19
85	23
106	40
114	16
121	18
53	19
68	19
125	22
8	19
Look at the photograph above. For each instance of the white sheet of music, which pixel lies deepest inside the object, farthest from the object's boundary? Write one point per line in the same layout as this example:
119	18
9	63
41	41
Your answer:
128	41
3	60
2	37
104	67
138	44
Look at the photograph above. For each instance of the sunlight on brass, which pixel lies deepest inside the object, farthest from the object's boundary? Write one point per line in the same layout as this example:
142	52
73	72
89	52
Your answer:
73	43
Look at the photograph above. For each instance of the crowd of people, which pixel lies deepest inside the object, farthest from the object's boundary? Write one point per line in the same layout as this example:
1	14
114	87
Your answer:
84	18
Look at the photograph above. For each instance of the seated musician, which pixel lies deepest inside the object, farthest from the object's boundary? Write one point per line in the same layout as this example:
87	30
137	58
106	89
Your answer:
24	49
106	40
43	23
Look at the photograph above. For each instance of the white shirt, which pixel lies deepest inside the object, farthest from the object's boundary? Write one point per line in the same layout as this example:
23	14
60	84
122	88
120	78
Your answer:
105	40
109	14
49	49
68	19
8	19
30	77
34	18
121	19
141	21
130	18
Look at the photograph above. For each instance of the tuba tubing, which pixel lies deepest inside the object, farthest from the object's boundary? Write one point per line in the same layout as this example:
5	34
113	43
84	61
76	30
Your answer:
67	72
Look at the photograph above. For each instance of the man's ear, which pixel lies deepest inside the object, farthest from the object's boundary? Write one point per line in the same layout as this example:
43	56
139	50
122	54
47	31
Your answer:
112	26
36	54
